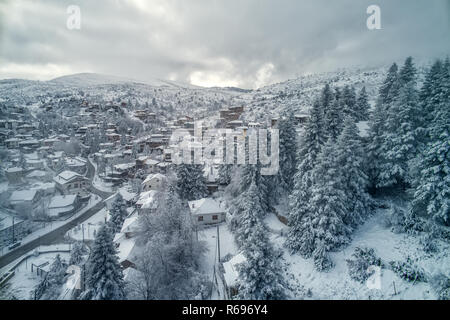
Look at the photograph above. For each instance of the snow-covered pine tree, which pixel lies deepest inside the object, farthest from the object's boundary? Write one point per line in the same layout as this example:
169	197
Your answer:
248	214
77	253
433	182
118	213
191	183
260	276
312	141
225	171
322	228
105	277
350	157
326	99
362	106
334	118
389	88
377	122
349	101
400	142
287	153
408	72
251	173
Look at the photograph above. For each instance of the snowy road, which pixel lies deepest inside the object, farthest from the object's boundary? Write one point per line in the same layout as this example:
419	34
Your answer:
49	237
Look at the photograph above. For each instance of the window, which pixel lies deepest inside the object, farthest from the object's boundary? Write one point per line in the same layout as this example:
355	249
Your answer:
200	218
215	217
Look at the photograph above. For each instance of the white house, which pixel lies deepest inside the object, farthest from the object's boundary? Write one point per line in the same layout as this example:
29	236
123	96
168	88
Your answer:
127	253
14	175
206	211
63	205
147	201
69	182
76	164
154	181
28	198
130	226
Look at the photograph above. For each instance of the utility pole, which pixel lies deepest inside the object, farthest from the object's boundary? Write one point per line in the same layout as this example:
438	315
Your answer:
13	235
218	243
82	230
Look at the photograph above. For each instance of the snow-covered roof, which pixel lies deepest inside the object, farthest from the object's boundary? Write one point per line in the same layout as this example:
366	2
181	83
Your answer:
36	173
231	273
126	250
14	170
124	166
55	212
66	176
146	199
118	237
153	176
130	224
75	162
22	195
62	201
151	162
205	206
130	274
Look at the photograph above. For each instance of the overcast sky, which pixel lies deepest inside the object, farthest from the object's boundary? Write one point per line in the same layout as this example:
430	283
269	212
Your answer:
245	43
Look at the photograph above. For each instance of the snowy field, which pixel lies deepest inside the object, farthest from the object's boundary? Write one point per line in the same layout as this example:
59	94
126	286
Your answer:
337	284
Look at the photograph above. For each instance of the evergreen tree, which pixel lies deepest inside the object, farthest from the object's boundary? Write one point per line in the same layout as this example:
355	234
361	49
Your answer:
322	228
349	101
251	173
408	72
77	253
333	120
287	153
260	276
191	183
389	88
311	143
326	99
400	143
362	106
105	277
118	213
225	171
433	182
248	214
353	180
378	127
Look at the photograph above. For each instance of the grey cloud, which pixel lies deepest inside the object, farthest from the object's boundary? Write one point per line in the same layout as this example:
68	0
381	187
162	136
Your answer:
221	41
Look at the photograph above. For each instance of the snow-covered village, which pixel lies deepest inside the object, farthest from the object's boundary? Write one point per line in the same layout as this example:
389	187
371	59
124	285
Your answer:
330	185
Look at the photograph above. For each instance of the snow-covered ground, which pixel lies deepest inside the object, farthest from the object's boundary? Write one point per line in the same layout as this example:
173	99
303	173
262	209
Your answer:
24	280
337	284
88	229
227	247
